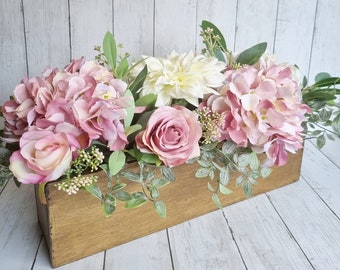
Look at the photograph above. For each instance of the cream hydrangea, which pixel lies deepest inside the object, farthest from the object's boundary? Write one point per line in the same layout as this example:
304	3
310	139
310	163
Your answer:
182	76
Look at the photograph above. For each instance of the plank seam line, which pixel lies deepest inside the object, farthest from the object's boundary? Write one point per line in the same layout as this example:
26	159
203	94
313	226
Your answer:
36	253
169	244
319	196
104	260
288	230
234	239
330	160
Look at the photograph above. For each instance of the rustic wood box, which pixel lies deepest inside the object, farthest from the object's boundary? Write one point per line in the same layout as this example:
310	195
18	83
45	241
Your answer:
75	227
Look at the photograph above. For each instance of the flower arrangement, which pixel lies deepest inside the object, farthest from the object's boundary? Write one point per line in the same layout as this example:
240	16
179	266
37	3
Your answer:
218	109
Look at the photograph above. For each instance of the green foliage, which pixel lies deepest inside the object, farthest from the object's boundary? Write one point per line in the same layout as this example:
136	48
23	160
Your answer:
252	55
116	162
110	50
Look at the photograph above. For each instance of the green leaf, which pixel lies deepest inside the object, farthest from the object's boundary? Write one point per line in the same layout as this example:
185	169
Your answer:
132	129
138	81
252	55
229	147
130	110
110	49
216	200
95	191
160	208
159	182
265	172
109	205
147	100
243	160
224	190
116	162
138	199
202	172
239	180
216	31
322	75
320	141
211	188
150	158
4	156
118	186
122	195
168	173
336	124
122	68
154	192
135	177
224	176
325	115
247	188
254	162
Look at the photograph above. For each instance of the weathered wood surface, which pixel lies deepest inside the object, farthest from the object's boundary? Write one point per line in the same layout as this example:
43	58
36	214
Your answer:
293	227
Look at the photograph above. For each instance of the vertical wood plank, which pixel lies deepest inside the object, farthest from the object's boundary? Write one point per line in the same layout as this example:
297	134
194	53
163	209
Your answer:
150	252
47	34
12	49
311	223
221	13
175	26
256	22
204	243
294	32
262	237
42	261
89	21
325	50
133	26
19	230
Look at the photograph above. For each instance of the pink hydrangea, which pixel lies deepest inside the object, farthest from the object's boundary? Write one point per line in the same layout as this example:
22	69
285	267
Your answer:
262	109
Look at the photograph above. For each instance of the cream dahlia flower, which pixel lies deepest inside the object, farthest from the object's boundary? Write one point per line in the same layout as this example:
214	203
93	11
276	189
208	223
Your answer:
182	76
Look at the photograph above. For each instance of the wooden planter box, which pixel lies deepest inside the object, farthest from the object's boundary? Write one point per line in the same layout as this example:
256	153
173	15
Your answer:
75	227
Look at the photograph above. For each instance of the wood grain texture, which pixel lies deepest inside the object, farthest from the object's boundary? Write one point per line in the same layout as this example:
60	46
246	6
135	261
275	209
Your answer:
256	22
175	26
12	48
134	26
204	243
19	234
294	32
261	237
89	21
325	54
83	224
47	34
311	223
151	252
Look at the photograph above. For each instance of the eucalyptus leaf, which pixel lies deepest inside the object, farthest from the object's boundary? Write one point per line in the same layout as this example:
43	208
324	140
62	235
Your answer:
160	208
132	129
118	186
320	141
150	158
243	160
224	190
254	162
135	177
95	191
336	124
138	199
116	162
109	205
154	192
247	188
168	173
266	171
229	147
224	177
252	55
159	182
216	200
202	172
211	188
322	75
216	31
110	50
123	195
130	110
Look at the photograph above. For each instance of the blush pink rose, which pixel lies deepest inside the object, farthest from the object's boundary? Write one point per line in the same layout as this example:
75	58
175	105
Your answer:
172	133
43	156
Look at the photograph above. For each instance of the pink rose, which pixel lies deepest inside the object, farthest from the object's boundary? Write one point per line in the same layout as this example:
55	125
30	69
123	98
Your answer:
172	133
43	156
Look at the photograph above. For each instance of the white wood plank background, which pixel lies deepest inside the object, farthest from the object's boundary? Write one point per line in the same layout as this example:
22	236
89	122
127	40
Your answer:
38	33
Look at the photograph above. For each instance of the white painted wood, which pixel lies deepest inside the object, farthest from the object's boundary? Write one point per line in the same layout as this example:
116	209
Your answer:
332	150
134	26
47	34
89	21
42	262
255	23
150	252
325	54
262	238
322	175
19	231
312	224
221	13
12	48
204	243
175	26
294	32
